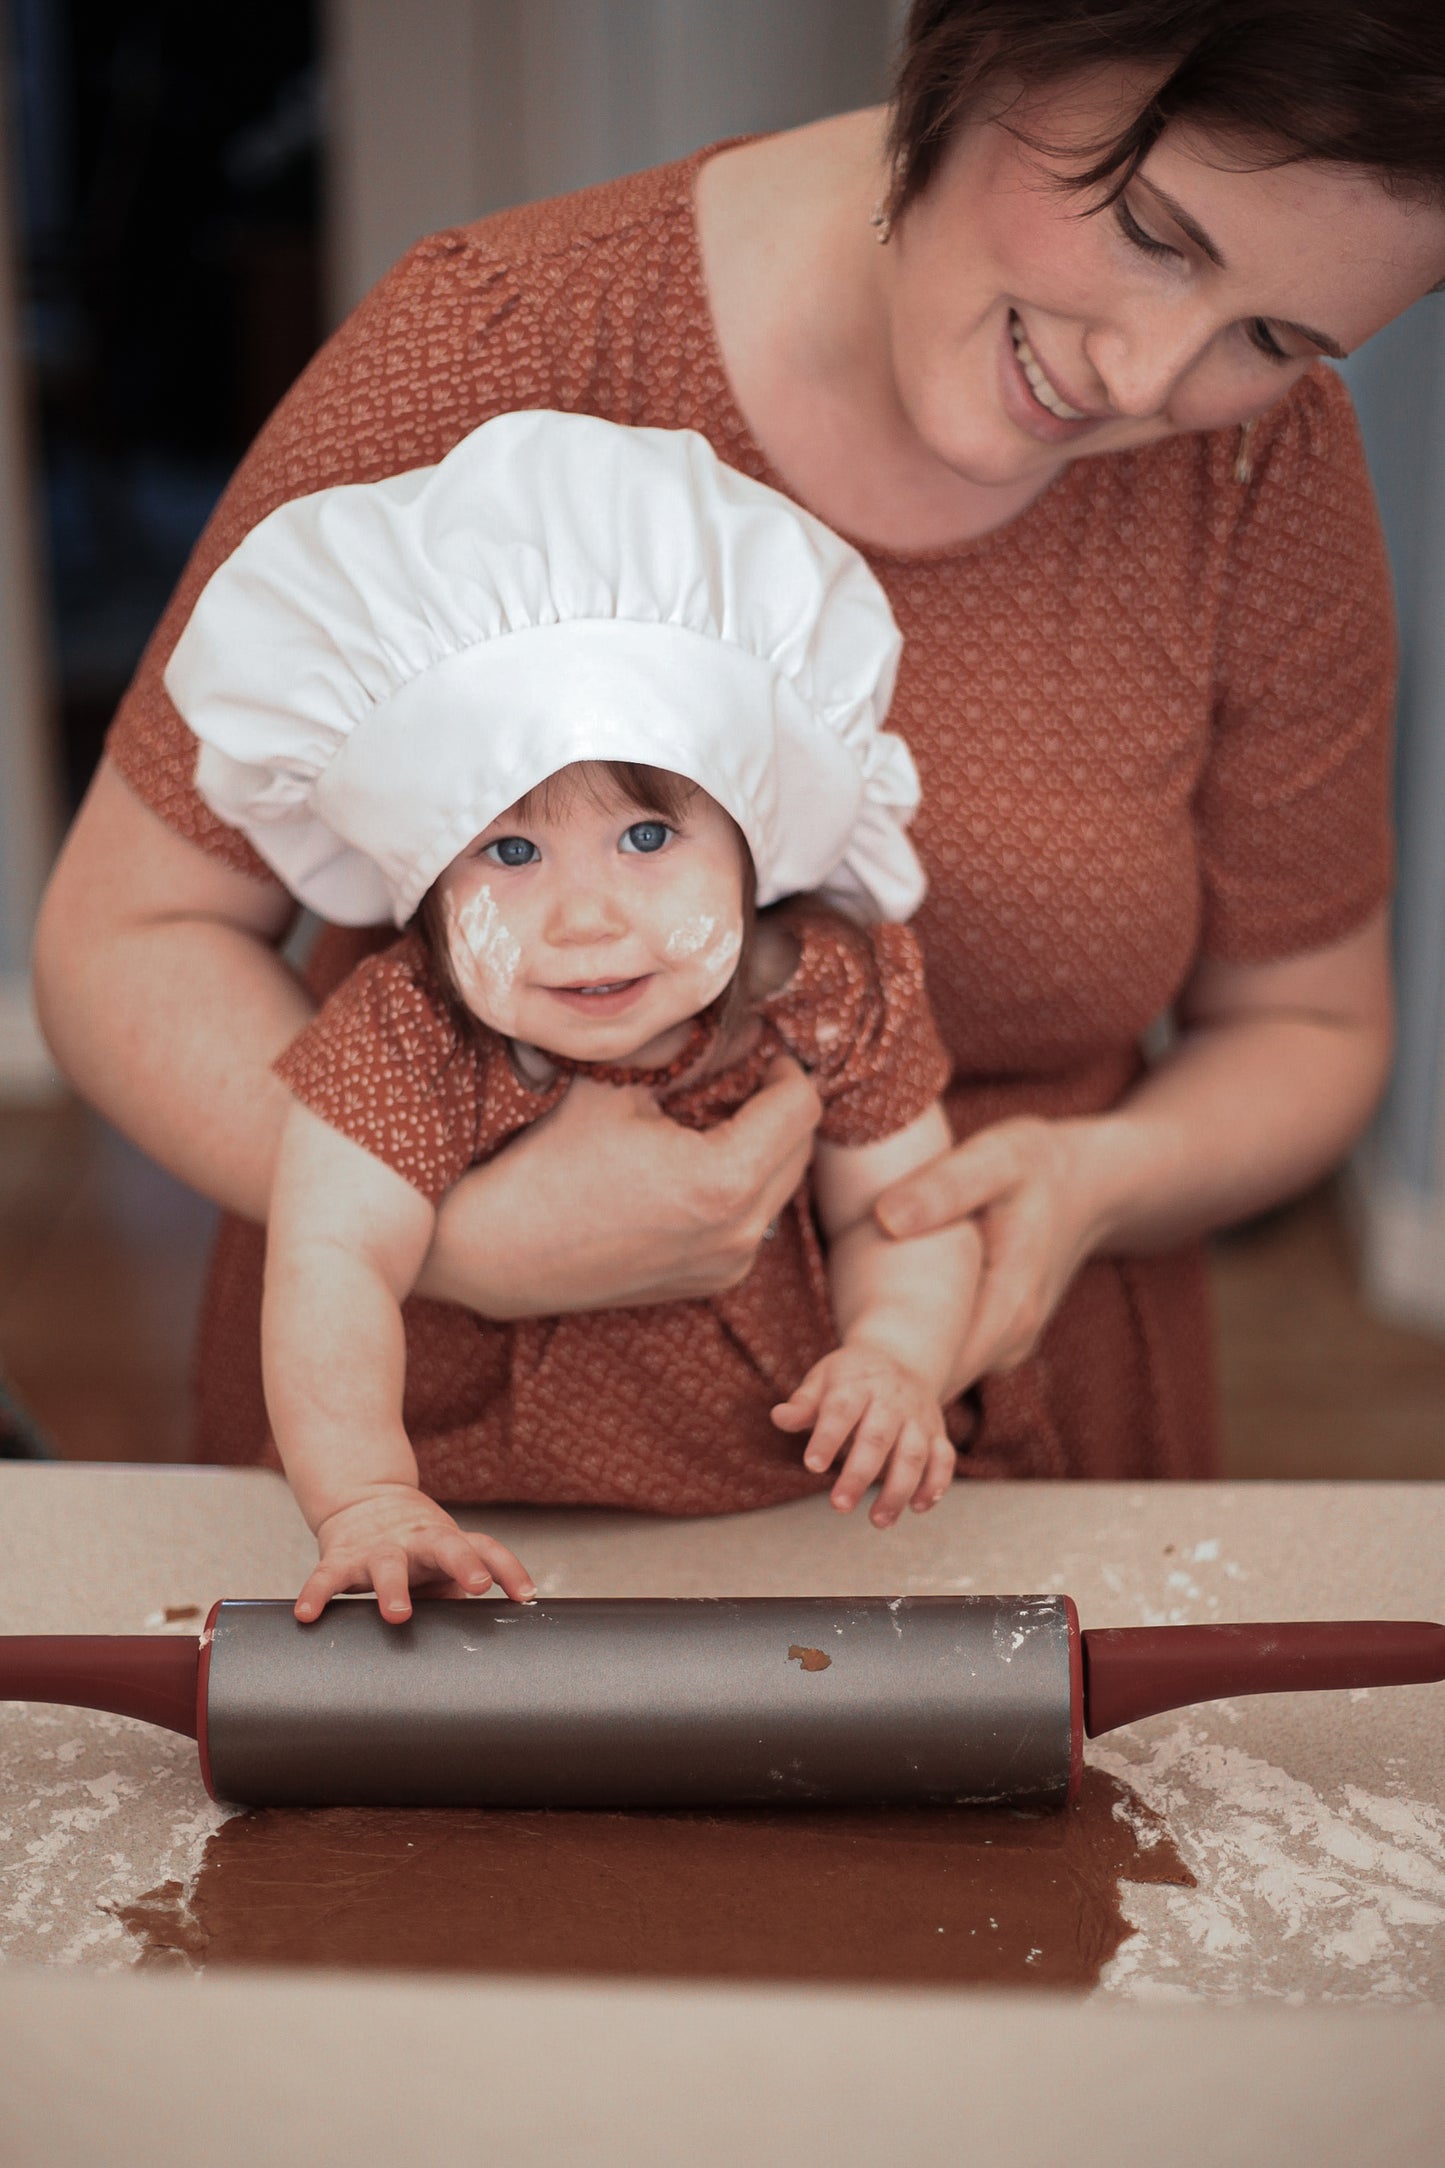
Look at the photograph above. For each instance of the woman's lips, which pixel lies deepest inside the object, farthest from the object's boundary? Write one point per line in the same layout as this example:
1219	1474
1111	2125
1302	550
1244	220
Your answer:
603	997
1022	402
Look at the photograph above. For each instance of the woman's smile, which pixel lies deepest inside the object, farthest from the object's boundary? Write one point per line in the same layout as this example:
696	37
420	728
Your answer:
1031	397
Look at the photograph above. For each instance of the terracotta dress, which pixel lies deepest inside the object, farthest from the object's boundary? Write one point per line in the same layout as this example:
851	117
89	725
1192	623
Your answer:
664	1407
1150	715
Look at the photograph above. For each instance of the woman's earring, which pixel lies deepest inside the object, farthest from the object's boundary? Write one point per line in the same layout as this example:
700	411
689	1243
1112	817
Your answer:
1243	464
882	224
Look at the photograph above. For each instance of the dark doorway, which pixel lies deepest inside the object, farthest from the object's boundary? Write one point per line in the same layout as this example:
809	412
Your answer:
168	213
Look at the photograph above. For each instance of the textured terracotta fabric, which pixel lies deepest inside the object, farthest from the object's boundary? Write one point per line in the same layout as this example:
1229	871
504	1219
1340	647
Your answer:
676	1401
1150	715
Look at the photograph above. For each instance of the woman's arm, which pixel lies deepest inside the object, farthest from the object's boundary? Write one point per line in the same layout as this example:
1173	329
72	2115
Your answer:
1275	1072
345	1242
165	1001
163	997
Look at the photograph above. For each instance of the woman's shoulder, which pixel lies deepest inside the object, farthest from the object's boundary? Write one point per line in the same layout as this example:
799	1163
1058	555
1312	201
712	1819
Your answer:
561	236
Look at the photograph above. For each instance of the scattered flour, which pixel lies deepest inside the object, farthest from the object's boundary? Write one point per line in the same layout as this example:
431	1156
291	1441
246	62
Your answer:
1345	1891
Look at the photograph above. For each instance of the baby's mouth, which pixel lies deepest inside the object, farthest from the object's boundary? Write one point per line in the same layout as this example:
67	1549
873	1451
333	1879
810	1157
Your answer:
602	997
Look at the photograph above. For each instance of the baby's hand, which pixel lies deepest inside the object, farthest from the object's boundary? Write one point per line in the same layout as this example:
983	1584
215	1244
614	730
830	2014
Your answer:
396	1536
890	1415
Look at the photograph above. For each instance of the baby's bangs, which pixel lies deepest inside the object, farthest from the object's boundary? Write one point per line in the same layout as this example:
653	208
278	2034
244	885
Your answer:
610	785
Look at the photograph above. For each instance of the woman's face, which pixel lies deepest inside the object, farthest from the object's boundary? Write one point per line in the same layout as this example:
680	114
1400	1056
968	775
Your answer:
590	926
1024	334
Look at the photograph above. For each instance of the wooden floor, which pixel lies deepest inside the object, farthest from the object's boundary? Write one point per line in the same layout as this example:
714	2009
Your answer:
101	1260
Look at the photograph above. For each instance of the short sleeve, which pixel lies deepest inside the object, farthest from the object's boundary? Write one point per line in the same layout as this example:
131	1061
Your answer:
1293	808
383	1062
856	1015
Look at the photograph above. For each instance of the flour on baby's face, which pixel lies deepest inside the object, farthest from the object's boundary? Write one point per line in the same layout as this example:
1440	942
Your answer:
711	945
485	956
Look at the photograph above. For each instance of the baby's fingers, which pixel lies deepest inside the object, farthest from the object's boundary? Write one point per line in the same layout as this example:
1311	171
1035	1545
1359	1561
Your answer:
939	1474
800	1410
906	1467
837	1419
873	1442
389	1570
328	1577
494	1562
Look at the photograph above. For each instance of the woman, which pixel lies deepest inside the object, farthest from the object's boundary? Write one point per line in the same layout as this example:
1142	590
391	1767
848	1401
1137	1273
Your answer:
1072	409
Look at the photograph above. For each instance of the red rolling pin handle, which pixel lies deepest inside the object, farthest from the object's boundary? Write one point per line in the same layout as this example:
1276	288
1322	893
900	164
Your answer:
1136	1671
154	1679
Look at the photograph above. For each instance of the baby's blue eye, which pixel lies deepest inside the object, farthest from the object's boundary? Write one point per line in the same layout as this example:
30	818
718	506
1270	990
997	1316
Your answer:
646	836
510	851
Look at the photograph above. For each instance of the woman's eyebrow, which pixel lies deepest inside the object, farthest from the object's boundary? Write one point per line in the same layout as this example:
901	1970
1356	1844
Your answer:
1190	226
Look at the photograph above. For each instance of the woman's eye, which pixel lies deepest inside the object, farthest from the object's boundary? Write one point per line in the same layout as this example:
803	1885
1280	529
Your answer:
1264	340
1133	232
646	836
510	851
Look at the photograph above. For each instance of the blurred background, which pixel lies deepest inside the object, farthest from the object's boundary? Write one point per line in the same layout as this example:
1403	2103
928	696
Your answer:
189	198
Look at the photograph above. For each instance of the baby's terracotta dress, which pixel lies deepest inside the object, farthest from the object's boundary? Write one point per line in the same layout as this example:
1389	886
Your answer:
664	1407
1150	715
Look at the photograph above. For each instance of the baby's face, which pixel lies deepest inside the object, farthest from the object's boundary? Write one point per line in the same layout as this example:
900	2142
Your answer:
594	926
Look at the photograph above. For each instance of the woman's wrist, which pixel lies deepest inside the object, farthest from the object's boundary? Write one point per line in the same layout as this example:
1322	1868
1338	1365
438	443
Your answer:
1121	1163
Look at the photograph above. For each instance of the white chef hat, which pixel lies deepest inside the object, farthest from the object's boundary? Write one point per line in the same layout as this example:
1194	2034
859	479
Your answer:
382	668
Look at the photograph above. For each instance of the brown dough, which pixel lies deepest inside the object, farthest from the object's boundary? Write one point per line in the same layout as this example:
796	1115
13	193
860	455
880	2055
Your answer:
912	1895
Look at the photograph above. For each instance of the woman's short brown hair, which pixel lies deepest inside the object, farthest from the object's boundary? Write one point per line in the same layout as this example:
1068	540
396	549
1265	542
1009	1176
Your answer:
1352	82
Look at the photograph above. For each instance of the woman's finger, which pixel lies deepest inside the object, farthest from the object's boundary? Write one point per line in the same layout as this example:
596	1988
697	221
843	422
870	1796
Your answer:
962	1182
769	1141
1010	1311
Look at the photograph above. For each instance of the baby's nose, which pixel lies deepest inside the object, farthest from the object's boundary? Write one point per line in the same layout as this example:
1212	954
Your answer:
585	912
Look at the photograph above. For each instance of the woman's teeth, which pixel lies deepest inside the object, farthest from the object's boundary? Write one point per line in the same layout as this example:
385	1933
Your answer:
1039	384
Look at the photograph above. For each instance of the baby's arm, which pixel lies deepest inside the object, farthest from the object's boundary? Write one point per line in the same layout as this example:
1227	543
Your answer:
901	1307
346	1240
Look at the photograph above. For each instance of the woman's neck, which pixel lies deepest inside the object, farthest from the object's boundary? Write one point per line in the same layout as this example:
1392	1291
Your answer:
798	289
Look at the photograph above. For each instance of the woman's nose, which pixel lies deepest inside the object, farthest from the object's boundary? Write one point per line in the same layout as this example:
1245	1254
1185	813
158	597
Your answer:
1142	360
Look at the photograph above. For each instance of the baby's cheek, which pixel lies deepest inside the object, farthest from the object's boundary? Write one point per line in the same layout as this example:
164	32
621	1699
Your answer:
712	961
485	958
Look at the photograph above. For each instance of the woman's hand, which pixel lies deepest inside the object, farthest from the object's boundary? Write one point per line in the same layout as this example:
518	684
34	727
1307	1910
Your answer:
1275	1071
1029	1185
606	1203
890	1414
395	1537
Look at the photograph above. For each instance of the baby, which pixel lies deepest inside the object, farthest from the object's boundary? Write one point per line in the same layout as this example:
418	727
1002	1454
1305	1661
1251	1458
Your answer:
593	717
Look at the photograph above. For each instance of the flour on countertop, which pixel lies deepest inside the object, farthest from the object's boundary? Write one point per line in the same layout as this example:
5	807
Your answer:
1291	1883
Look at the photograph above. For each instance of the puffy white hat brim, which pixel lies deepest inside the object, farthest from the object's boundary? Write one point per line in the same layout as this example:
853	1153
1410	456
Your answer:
381	669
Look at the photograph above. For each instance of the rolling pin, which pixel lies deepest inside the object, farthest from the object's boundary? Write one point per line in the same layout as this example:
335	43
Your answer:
652	1702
